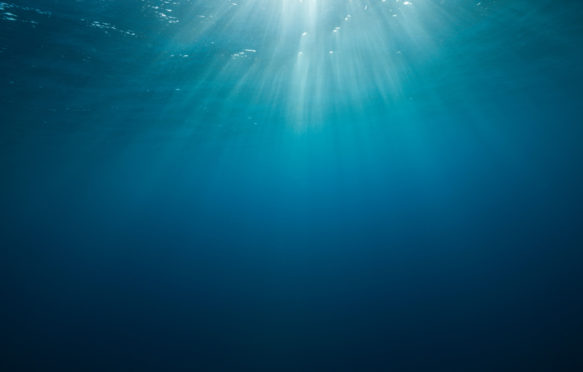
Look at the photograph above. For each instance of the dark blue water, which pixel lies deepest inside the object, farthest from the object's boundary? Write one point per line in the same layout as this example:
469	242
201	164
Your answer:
316	185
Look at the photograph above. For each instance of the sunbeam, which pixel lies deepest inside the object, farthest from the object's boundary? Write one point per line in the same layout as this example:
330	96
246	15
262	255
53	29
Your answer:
308	59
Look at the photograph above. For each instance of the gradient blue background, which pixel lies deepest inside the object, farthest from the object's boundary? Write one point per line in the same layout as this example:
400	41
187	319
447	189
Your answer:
166	204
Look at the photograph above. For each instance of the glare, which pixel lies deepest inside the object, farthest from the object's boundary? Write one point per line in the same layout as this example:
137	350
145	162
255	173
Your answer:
309	59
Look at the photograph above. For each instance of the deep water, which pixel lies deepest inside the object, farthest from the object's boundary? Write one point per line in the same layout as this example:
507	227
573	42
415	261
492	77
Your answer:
286	185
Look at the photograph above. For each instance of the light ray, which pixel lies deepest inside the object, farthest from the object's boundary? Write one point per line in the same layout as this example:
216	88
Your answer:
308	59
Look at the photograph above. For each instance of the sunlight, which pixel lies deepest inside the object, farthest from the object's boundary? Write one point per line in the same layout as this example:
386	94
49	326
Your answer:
295	53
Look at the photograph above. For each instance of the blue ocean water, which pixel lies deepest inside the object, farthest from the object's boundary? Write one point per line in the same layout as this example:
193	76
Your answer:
324	185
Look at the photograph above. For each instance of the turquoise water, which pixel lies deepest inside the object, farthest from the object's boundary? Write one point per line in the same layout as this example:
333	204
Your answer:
291	185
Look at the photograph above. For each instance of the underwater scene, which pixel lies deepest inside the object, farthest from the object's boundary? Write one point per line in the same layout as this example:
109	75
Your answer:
291	185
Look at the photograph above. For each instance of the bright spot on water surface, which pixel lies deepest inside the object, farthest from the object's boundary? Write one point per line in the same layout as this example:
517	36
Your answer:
291	55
